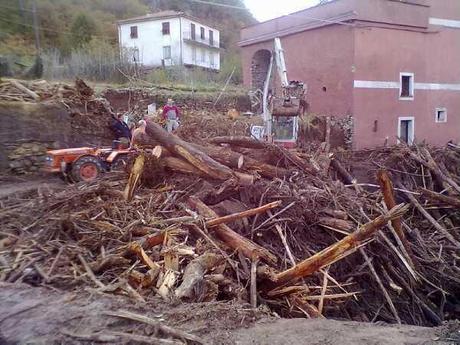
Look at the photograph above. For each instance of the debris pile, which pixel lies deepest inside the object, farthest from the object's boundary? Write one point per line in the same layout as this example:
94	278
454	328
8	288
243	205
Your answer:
238	219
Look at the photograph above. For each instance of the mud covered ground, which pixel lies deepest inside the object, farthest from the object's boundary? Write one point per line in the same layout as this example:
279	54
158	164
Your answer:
39	316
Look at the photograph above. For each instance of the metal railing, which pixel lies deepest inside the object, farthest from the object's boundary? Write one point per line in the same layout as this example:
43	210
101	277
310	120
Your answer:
187	35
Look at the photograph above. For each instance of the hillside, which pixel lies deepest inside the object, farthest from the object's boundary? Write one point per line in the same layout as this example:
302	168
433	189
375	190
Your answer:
69	27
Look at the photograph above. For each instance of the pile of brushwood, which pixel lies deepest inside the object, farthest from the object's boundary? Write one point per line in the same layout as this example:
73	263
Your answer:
238	219
89	115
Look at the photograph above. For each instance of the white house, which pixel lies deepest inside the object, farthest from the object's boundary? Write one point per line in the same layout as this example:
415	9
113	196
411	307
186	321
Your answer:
169	38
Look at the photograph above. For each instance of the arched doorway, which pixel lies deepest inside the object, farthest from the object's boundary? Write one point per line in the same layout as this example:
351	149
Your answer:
259	68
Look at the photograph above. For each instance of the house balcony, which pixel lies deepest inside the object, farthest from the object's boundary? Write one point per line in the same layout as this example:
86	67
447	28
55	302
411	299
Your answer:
197	40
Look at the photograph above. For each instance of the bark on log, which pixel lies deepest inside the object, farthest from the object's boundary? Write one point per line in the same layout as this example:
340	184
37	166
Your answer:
338	250
233	160
257	144
344	174
232	217
230	237
388	196
134	177
449	200
186	151
179	165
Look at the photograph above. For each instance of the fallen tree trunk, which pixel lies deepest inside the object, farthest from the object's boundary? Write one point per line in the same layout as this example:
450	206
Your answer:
338	250
186	151
280	151
230	237
239	161
179	165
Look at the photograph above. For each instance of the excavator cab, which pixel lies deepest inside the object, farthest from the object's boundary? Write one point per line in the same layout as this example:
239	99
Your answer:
281	112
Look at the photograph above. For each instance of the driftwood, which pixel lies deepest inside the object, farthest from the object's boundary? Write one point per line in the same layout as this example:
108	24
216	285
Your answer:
239	215
134	177
388	196
24	89
445	199
230	237
194	273
338	250
343	173
433	221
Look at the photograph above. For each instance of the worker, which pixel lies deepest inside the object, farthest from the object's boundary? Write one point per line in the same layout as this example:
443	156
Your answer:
120	128
171	115
139	135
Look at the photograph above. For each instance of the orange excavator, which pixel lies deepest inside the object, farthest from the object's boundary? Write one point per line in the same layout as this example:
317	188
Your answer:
87	163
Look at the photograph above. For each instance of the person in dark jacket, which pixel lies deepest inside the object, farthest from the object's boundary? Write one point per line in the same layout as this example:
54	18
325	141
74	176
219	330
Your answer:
120	128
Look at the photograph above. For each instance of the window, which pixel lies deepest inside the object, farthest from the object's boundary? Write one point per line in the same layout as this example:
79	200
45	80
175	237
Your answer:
167	52
406	88
165	28
133	31
406	130
202	35
211	37
441	115
203	55
192	31
193	54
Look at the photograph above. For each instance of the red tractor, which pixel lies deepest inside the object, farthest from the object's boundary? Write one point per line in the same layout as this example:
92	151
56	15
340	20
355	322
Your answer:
87	163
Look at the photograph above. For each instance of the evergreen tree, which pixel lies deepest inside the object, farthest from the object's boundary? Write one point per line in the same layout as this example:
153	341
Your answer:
82	30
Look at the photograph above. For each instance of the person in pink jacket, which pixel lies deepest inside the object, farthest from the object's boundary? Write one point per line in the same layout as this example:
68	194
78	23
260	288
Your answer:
171	114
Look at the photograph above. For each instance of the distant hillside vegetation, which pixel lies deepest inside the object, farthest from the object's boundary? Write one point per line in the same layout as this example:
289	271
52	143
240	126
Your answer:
73	27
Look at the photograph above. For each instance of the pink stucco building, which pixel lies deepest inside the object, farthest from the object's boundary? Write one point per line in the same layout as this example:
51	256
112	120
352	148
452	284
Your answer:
393	65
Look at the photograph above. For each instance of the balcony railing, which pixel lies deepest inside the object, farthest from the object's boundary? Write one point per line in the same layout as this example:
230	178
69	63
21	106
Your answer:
187	35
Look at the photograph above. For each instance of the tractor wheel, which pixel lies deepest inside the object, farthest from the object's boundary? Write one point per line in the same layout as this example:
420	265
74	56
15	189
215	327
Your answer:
119	164
86	168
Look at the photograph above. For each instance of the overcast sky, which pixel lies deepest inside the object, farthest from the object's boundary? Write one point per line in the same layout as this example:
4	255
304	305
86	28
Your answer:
268	9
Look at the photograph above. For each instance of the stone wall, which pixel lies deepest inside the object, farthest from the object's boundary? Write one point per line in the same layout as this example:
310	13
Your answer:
28	130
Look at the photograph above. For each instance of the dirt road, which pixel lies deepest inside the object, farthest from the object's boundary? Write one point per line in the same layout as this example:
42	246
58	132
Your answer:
37	315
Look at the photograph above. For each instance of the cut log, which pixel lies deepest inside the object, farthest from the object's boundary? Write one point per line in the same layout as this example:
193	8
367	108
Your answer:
230	237
448	200
194	274
338	250
186	151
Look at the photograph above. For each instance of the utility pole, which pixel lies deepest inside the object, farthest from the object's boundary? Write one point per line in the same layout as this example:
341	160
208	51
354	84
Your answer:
37	34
